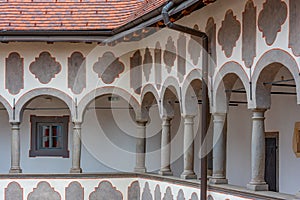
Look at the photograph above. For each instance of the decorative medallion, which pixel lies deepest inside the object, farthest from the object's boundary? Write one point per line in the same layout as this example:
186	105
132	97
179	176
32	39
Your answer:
271	18
43	191
157	63
136	72
170	54
147	64
76	72
105	190
195	47
168	194
157	193
134	191
45	67
180	195
229	33
294	37
194	196
147	193
249	34
211	32
13	191
74	191
108	67
14	73
181	54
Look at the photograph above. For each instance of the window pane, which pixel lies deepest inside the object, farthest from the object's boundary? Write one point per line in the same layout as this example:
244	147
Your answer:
45	133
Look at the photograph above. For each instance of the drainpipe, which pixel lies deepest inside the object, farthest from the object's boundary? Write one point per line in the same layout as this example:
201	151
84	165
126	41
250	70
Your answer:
205	101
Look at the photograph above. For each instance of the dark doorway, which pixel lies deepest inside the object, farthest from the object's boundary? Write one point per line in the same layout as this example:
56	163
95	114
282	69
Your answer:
271	167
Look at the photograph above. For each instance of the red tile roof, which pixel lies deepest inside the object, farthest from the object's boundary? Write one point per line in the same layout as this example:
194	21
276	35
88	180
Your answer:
18	15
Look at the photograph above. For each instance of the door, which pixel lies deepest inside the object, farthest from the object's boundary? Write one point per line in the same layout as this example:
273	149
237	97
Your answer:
271	160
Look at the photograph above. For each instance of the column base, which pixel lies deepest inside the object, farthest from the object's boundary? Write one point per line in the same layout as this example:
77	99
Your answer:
218	180
75	170
188	175
166	173
15	170
258	187
140	170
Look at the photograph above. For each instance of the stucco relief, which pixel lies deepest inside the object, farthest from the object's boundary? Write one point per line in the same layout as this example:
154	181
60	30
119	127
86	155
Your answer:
108	67
271	18
136	72
147	63
45	67
157	193
294	32
13	191
43	191
211	32
194	196
76	72
74	191
210	197
168	194
194	47
147	193
105	190
180	195
229	33
14	73
181	53
157	64
134	191
249	34
170	54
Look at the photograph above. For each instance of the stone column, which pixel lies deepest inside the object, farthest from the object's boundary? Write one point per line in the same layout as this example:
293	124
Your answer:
15	148
76	148
140	166
219	149
257	182
165	164
188	147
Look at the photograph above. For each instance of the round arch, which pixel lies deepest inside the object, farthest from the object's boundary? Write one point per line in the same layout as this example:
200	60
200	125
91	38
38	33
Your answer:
28	96
170	82
87	99
189	98
278	59
234	71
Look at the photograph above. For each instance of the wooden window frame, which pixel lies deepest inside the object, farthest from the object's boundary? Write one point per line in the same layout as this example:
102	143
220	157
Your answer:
35	150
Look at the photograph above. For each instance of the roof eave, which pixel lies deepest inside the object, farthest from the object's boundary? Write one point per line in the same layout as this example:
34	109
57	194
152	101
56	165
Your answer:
91	35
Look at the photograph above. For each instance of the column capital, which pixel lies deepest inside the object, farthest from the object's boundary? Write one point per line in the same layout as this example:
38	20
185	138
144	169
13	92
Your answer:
15	123
187	116
259	110
141	122
77	123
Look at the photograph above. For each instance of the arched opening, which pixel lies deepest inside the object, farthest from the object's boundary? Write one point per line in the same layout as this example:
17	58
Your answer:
192	106
153	132
45	141
171	107
231	99
276	87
